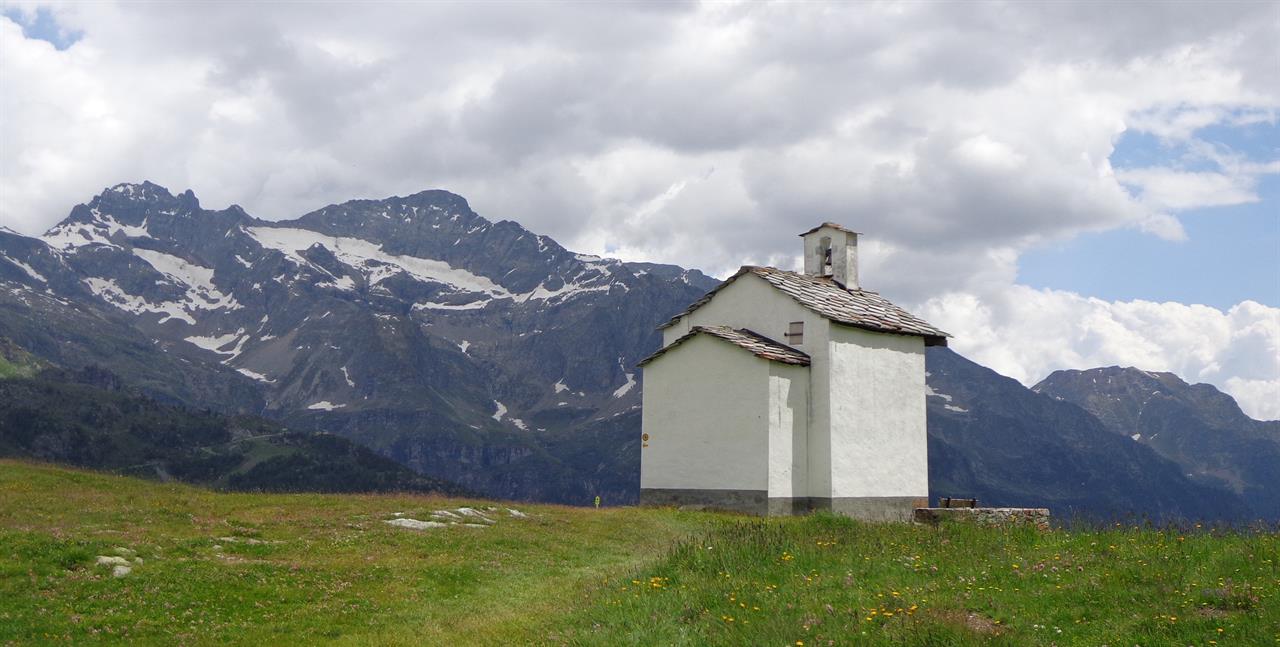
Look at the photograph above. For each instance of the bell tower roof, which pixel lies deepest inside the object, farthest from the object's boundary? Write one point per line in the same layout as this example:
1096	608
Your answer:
831	225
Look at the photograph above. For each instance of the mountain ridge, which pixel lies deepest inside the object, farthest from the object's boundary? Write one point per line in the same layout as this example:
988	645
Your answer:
467	349
1199	428
90	418
1079	468
461	335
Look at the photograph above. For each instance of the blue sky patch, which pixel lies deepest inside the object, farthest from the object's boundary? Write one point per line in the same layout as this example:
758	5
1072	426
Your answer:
42	25
1232	252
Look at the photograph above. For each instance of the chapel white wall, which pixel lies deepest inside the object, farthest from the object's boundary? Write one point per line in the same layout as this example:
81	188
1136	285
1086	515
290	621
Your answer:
880	446
751	302
706	411
788	430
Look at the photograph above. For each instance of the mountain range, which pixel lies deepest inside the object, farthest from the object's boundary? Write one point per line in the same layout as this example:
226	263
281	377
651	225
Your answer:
488	356
1195	426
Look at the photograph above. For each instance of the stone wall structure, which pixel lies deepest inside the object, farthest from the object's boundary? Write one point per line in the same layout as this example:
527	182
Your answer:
1038	517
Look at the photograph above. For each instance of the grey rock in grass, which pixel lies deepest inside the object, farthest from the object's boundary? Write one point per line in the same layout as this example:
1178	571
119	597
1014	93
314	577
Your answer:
405	522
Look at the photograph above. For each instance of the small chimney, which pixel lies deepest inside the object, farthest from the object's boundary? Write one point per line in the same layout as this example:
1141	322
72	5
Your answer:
832	250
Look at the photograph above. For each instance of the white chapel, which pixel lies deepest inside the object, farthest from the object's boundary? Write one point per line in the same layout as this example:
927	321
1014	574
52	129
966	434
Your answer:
781	392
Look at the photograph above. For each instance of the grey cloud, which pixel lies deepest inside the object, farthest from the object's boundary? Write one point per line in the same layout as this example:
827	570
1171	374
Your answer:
858	113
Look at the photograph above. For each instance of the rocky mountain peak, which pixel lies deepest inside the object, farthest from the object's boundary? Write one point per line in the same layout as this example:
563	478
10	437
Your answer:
440	225
123	212
127	202
1122	395
431	290
1196	426
145	191
972	406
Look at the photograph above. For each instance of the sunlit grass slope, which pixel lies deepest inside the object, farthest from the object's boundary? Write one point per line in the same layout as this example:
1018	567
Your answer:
297	568
271	569
831	581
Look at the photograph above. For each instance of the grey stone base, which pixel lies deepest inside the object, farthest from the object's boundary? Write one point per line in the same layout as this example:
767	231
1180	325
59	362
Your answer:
787	506
872	508
758	502
1036	517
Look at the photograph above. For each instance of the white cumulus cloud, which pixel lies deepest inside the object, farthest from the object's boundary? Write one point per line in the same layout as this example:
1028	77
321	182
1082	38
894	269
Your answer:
706	134
1027	333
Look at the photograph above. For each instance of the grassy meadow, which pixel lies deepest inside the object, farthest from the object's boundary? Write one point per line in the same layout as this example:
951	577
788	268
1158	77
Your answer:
215	568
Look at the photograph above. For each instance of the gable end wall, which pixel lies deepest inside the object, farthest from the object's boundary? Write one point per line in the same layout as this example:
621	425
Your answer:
879	431
706	411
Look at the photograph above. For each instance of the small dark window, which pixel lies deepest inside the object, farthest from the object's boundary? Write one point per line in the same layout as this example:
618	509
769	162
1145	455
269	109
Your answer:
795	333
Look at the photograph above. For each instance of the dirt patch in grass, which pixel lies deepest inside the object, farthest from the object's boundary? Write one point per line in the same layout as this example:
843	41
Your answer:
1232	596
973	622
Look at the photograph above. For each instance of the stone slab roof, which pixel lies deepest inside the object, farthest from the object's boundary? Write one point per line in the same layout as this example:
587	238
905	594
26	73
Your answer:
757	344
831	225
823	295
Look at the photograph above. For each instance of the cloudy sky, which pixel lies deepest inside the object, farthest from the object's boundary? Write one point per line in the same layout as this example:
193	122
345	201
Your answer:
1060	185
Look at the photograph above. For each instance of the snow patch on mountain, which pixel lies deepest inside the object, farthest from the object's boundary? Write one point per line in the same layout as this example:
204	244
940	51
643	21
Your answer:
474	305
595	263
347	376
26	268
378	265
372	260
342	283
464	345
73	235
626	388
928	391
111	292
324	405
502	411
132	190
201	292
218	342
256	376
565	291
631	381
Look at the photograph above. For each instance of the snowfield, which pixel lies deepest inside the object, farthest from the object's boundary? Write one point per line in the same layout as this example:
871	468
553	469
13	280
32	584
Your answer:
198	279
369	258
108	290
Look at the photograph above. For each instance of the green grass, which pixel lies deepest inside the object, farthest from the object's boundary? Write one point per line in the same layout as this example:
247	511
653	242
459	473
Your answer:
10	369
325	568
824	580
332	570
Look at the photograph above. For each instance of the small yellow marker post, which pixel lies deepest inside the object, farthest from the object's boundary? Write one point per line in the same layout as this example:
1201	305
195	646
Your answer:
597	500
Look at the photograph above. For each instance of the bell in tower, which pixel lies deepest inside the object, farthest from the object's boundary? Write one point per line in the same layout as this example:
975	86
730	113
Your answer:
832	251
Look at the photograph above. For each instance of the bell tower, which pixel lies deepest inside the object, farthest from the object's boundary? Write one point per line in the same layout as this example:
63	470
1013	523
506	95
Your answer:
831	250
